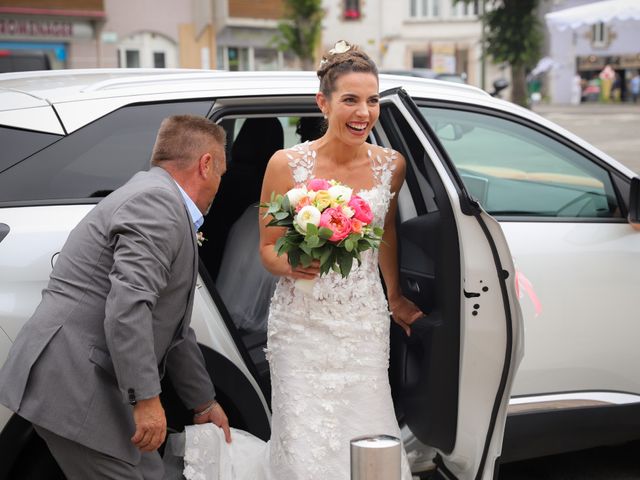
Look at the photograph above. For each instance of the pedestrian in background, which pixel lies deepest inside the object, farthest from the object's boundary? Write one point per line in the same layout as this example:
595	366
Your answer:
607	75
635	87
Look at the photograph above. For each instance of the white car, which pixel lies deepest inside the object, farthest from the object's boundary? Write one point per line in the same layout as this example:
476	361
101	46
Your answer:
487	183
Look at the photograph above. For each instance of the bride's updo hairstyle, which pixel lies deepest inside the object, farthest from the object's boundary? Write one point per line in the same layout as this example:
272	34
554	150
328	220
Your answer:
343	58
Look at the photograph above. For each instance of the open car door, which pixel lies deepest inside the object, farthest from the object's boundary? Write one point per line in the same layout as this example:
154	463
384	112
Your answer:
452	378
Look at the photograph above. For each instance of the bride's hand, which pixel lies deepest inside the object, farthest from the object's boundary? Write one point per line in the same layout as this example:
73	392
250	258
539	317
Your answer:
304	273
404	312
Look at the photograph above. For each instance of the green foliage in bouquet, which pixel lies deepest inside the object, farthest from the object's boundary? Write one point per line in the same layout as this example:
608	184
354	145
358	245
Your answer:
302	248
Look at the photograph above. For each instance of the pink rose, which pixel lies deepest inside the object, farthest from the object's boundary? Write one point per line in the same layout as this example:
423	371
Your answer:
318	184
362	210
337	222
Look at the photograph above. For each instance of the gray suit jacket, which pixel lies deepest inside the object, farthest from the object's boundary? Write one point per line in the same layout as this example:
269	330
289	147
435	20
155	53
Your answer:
114	316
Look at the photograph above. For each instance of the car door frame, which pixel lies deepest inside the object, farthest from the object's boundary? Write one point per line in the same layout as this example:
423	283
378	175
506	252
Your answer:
453	466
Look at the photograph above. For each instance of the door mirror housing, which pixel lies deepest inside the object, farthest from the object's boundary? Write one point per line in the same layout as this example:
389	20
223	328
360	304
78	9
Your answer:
634	202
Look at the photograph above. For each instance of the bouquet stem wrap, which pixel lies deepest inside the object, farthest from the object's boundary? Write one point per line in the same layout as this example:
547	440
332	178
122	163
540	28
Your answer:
306	285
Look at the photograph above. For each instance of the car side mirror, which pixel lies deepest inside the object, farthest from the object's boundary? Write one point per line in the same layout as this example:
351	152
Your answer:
634	202
499	85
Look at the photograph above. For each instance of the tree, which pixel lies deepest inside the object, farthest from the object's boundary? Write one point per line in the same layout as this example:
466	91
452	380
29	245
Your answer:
514	36
300	29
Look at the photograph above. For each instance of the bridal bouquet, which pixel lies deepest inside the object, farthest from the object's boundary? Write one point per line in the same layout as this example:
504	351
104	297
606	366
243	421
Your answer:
325	221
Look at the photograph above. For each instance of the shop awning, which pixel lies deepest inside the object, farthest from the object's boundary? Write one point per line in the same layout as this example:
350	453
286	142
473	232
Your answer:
607	11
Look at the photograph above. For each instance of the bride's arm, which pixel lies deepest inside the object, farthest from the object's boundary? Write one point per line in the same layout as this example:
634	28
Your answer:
403	310
277	178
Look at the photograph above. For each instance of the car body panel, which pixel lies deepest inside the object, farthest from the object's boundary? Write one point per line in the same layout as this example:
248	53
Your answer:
15	100
40	119
22	110
594	265
26	255
207	321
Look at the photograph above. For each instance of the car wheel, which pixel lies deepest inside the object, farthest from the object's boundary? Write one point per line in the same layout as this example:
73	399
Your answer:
36	462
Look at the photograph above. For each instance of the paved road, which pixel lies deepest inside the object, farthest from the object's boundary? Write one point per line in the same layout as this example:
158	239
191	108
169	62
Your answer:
606	463
614	129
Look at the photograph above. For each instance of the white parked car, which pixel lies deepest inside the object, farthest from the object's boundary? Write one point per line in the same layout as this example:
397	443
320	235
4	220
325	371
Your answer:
487	183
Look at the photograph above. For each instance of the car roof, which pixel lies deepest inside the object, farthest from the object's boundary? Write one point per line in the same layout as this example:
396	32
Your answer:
83	96
56	86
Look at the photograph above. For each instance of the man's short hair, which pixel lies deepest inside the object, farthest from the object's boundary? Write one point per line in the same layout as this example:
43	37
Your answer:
182	139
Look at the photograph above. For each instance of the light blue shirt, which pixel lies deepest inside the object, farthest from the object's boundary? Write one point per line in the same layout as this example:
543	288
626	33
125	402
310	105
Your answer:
196	215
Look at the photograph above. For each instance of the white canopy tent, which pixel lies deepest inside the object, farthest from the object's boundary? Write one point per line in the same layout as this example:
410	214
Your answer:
570	39
607	11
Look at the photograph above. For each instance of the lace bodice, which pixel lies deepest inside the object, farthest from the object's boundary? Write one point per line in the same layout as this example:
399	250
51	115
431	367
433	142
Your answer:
332	287
302	159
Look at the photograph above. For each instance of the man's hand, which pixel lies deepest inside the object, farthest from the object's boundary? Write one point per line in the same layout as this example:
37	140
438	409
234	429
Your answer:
216	416
151	424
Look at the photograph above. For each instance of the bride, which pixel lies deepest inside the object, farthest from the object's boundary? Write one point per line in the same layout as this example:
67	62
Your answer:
328	347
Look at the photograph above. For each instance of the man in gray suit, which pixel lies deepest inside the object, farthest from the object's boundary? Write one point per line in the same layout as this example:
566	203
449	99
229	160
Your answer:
86	368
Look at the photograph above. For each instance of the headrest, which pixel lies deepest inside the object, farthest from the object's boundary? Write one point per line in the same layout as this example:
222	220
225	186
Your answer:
258	139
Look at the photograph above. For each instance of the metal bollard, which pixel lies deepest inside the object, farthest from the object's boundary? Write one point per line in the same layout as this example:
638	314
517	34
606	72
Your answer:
375	457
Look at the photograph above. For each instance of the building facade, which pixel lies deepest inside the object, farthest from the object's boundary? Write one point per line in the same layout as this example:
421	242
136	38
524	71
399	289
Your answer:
143	33
404	34
580	55
245	33
97	33
63	32
240	34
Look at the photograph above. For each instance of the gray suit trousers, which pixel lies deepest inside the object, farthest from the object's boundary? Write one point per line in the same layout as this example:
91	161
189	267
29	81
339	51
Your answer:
81	463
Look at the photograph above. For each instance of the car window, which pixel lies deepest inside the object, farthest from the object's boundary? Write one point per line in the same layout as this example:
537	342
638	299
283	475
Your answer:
18	144
253	140
95	160
514	170
294	128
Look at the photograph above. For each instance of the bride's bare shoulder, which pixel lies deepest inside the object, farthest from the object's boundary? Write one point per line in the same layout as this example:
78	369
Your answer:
280	162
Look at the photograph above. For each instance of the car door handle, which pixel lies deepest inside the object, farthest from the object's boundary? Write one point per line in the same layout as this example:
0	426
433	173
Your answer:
413	285
4	231
423	327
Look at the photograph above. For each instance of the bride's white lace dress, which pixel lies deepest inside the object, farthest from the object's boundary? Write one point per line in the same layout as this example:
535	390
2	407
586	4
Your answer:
328	352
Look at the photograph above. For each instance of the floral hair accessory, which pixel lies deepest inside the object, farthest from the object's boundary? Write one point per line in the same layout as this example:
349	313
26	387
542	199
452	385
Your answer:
340	47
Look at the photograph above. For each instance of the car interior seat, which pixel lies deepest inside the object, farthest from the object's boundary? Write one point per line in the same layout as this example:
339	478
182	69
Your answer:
257	140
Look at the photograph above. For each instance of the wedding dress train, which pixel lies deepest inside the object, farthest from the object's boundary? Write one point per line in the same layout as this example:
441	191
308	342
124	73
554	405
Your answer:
328	352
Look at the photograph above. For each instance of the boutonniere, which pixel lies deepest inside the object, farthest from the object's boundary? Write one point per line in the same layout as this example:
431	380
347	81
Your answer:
200	238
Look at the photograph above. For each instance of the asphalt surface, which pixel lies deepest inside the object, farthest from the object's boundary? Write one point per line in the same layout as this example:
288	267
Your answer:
606	463
613	128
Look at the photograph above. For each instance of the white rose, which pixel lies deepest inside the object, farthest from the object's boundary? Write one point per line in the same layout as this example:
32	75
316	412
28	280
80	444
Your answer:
340	193
348	211
295	195
308	214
